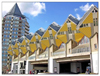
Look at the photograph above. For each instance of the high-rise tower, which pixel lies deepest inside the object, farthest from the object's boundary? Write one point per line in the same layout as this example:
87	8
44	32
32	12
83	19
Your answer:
14	25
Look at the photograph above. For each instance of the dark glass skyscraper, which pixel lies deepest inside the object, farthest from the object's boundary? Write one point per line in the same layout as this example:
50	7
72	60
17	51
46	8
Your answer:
14	25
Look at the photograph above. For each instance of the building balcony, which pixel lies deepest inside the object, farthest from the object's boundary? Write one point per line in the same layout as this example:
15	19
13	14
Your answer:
80	50
59	53
31	56
43	55
27	29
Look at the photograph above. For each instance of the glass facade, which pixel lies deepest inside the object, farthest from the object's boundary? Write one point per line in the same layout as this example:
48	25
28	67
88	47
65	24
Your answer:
84	40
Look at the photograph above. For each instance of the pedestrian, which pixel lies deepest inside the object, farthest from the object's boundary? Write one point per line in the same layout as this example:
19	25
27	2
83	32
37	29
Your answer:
78	70
12	71
87	71
33	72
30	72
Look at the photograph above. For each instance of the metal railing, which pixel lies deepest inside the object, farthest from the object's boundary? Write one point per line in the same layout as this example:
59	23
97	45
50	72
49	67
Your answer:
58	53
81	50
44	55
31	57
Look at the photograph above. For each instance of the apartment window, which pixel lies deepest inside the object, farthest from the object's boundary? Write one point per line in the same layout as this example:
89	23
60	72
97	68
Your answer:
49	29
95	46
69	50
15	36
8	28
37	40
68	21
15	21
23	27
13	29
8	36
13	25
23	24
69	30
12	36
12	32
4	40
8	24
5	28
4	35
86	24
62	33
81	26
77	31
16	32
6	17
22	46
5	32
45	38
51	36
16	29
9	18
5	24
58	33
16	25
94	21
32	43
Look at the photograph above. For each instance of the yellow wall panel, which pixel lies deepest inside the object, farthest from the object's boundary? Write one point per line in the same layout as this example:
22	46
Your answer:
9	48
19	43
64	28
46	34
10	52
23	50
33	39
43	46
58	42
63	38
16	51
33	46
39	37
89	19
78	36
16	45
45	42
86	31
53	32
24	42
28	40
32	49
73	26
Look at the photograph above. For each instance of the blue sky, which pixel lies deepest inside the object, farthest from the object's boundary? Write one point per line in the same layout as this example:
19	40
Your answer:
43	14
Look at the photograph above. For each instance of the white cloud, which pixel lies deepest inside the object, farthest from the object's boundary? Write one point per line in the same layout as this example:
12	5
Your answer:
29	8
85	7
78	16
31	33
42	29
76	9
